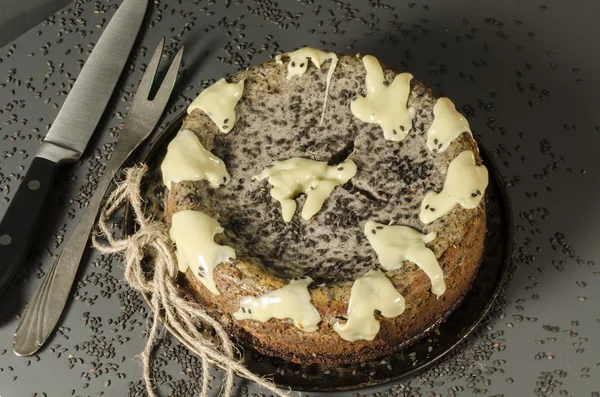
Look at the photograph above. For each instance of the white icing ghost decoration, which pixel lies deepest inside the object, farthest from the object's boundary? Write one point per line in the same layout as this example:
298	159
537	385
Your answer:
298	64
465	185
218	102
395	244
447	125
299	60
291	301
316	179
385	105
371	292
188	160
193	233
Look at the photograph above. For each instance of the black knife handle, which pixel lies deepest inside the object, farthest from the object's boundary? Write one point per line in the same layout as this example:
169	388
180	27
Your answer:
21	222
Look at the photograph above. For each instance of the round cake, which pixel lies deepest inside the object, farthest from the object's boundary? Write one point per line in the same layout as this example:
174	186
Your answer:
325	209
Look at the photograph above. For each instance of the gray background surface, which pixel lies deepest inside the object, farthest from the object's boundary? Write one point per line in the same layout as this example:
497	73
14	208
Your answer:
17	16
525	74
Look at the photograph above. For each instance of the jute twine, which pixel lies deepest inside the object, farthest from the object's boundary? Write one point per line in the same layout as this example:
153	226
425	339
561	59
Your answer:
181	316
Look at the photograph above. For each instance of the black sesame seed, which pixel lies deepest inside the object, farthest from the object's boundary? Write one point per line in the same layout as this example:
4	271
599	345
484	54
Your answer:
243	309
225	121
225	127
379	227
373	231
249	311
440	146
293	64
435	141
427	207
340	169
474	195
478	191
432	209
302	65
402	128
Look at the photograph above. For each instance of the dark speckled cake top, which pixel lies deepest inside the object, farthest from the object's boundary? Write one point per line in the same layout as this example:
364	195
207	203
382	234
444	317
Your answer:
278	119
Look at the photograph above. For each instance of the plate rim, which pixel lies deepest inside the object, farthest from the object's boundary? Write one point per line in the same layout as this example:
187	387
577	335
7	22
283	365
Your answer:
155	147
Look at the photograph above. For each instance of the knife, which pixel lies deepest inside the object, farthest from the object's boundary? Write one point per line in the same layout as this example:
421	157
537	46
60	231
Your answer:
68	136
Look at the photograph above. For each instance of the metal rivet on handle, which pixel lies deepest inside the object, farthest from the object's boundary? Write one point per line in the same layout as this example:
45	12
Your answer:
5	239
34	184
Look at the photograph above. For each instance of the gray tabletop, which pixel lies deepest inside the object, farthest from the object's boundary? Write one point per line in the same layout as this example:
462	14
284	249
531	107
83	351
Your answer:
524	73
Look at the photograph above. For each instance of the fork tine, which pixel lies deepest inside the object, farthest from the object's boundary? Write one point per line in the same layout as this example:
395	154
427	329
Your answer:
148	77
164	92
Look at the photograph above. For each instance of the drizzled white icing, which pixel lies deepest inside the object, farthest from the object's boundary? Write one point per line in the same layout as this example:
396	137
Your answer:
316	179
298	64
193	233
447	125
394	244
218	102
188	160
371	292
385	105
465	184
291	301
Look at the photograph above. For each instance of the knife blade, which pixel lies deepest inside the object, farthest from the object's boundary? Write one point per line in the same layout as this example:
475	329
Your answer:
68	136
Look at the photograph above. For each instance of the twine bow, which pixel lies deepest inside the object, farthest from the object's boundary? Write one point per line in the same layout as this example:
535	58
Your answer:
160	288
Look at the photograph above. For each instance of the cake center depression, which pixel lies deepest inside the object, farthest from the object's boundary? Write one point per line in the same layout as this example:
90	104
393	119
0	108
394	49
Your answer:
277	131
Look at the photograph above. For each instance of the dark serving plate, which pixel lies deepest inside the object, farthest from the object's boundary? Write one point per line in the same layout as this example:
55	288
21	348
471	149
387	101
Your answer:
440	340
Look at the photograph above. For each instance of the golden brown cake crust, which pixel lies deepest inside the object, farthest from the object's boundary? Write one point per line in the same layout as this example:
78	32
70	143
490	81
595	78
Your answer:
458	247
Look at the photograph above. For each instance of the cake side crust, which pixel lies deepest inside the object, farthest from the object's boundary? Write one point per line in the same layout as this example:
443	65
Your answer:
423	310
